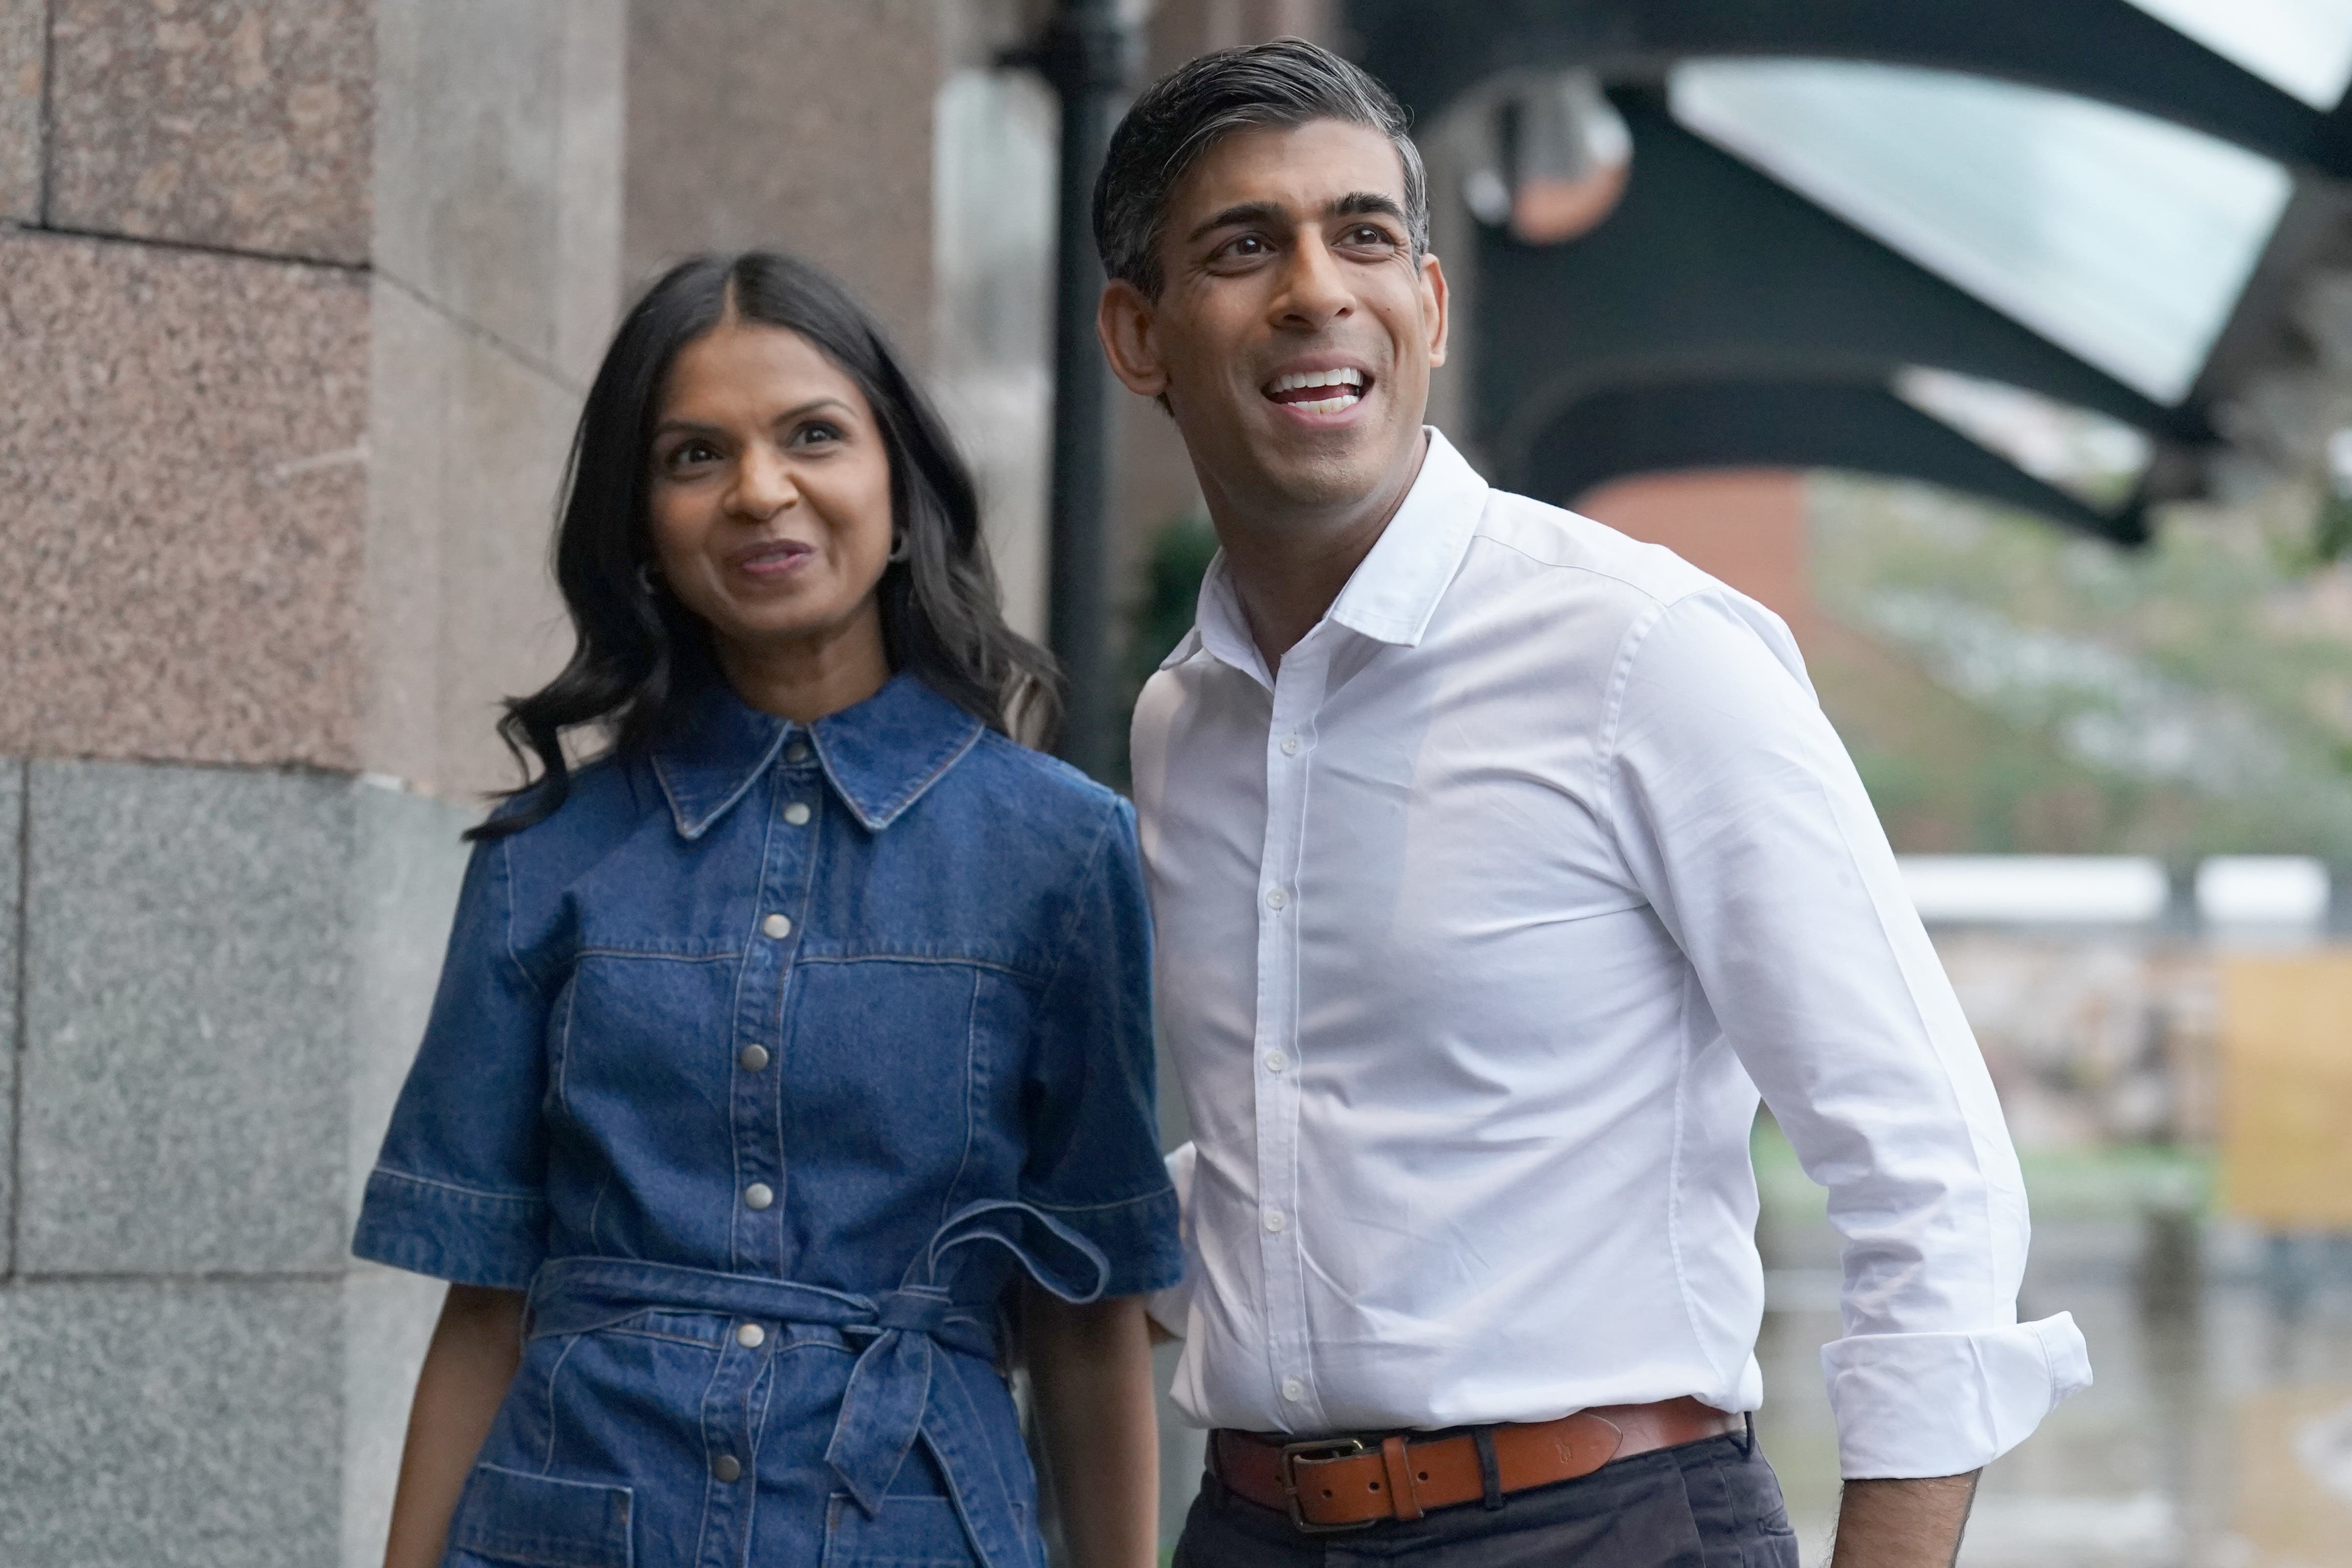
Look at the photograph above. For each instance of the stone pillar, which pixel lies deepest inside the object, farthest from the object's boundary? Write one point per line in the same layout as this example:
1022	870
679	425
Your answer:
297	298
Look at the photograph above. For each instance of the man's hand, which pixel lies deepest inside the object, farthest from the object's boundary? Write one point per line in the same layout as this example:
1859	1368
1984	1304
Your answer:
1903	1524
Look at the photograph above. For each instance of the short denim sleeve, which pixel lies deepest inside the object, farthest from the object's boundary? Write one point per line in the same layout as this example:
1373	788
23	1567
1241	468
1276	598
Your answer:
459	1191
1094	1157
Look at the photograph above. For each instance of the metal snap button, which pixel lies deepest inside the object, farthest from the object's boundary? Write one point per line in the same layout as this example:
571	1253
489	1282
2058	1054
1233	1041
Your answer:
727	1468
753	1059
758	1196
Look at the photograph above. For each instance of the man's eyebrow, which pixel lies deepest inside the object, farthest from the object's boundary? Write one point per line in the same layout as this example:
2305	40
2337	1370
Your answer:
1233	216
1365	204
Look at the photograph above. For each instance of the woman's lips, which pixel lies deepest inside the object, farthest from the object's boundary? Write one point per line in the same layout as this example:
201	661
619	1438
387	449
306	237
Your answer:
774	559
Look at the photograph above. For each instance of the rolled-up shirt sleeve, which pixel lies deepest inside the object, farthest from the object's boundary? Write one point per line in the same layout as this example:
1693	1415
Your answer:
1748	830
459	1190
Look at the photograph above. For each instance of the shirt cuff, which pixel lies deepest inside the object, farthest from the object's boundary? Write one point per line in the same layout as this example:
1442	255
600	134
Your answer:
1135	1236
1945	1403
1172	1308
460	1234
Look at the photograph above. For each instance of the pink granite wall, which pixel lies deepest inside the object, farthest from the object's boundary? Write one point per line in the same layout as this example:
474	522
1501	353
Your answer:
801	124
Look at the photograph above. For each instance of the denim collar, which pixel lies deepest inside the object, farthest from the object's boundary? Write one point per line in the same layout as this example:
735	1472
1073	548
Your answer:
881	754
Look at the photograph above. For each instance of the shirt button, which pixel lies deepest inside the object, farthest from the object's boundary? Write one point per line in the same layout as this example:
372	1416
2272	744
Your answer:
750	1336
797	752
1275	898
758	1196
753	1058
1293	1390
778	926
727	1468
1275	1220
1290	745
1276	1061
797	813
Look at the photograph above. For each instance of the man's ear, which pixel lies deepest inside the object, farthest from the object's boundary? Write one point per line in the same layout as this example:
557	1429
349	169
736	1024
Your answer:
1127	323
1436	304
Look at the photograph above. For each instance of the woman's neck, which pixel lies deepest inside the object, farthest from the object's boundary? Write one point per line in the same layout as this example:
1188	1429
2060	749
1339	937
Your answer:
805	678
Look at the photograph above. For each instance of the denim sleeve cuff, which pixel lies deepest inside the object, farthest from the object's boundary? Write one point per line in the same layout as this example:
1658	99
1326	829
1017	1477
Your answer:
1945	1403
463	1235
1137	1236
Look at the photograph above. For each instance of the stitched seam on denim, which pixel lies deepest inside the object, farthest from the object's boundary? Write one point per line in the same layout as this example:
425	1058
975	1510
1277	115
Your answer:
1098	856
702	1430
505	894
1151	1196
915	791
553	1373
988	963
658	955
531	1200
749	953
971	1095
564	1050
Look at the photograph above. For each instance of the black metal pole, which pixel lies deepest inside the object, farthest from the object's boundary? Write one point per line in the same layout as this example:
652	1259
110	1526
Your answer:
1086	60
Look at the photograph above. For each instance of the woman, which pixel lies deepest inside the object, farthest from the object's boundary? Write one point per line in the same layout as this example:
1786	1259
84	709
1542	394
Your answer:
772	1045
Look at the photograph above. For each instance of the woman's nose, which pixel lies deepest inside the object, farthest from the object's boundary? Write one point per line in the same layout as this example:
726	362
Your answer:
764	484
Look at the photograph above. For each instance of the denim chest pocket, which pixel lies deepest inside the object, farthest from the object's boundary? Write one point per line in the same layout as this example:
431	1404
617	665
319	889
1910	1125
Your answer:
905	1533
509	1518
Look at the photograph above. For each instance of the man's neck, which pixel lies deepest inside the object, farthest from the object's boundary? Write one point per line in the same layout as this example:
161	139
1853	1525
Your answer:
1287	569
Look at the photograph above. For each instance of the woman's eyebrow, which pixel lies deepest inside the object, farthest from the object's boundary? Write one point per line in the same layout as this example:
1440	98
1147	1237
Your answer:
697	428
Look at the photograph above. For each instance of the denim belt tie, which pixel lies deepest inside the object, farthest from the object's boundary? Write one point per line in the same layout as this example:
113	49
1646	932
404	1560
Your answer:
890	1396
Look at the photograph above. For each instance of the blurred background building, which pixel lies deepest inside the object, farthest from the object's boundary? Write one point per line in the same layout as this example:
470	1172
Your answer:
2005	349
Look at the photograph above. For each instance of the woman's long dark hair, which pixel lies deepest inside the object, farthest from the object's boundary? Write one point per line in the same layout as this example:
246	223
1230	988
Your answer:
641	656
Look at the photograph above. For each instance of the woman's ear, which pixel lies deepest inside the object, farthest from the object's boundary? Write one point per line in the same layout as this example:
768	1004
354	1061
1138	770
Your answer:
1125	322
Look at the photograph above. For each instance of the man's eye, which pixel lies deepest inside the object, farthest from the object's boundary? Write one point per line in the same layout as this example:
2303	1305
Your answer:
1247	245
1369	234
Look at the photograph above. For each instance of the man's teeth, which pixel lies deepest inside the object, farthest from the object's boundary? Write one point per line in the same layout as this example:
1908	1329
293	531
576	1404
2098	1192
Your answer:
1299	378
1347	385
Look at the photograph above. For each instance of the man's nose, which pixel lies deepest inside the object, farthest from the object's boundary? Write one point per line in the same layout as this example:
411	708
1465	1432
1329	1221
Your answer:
765	483
1315	287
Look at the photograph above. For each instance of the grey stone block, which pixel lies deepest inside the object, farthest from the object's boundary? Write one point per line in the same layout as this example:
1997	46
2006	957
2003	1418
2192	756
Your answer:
468	444
170	1426
23	45
12	892
405	880
186	1013
388	1321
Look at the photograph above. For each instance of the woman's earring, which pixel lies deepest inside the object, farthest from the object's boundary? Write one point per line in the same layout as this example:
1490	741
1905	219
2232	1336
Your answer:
899	550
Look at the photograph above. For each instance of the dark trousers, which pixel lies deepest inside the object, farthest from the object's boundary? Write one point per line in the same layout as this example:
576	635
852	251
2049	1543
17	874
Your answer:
1714	1504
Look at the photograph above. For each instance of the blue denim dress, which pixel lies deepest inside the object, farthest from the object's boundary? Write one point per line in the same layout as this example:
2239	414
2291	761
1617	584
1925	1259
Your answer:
762	1064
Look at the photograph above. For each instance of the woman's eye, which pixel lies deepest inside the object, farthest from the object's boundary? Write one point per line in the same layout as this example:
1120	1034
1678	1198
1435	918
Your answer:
817	433
687	454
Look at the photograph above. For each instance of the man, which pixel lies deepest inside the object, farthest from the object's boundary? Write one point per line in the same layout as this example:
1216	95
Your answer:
1496	860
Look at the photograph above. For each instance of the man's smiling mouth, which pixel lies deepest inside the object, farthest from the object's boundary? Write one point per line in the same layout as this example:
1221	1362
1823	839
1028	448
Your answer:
1319	391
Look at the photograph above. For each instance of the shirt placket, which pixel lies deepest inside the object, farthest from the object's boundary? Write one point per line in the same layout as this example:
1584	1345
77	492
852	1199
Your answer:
1289	743
778	928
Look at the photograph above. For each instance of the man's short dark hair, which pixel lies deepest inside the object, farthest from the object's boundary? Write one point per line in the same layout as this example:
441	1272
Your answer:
1183	114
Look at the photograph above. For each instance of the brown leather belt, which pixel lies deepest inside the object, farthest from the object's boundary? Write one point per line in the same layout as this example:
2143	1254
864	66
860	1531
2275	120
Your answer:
1346	1483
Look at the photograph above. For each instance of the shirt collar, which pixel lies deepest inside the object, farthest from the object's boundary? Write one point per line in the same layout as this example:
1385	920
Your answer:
1392	592
880	754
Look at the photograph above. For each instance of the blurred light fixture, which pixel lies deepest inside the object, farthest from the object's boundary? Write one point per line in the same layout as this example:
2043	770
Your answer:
1554	159
2089	456
2036	889
2262	890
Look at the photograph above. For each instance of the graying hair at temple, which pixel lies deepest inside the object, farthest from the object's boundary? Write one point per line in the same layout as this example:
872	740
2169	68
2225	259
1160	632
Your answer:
1284	83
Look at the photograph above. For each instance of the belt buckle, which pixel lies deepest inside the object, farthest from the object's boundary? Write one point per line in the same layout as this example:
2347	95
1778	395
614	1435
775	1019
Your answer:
1312	1449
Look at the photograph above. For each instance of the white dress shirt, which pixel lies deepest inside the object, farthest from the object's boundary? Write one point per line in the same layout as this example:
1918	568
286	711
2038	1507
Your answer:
1479	927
